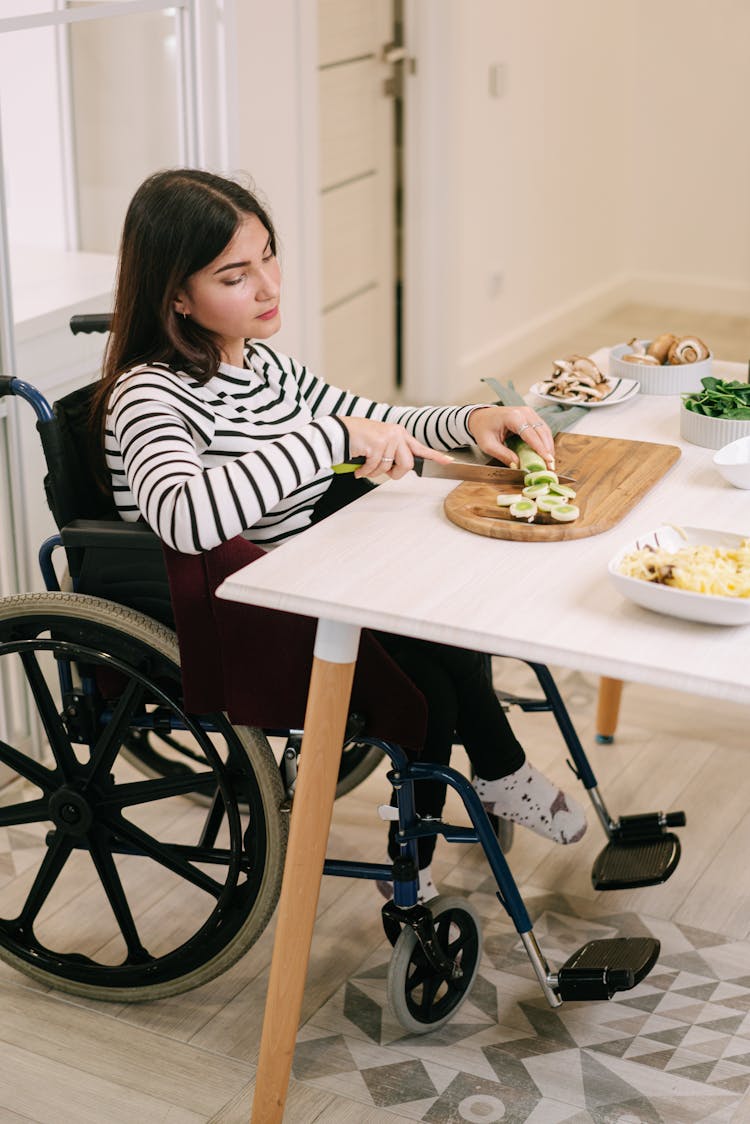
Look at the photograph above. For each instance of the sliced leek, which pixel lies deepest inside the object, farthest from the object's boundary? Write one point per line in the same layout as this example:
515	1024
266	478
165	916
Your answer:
562	490
546	503
534	491
540	477
565	513
523	509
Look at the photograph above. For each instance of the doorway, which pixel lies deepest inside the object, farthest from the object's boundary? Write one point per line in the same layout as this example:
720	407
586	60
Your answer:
360	88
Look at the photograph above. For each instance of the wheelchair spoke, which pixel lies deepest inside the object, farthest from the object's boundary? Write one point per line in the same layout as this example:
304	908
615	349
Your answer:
144	792
430	983
113	888
27	811
25	767
108	746
57	735
51	867
167	856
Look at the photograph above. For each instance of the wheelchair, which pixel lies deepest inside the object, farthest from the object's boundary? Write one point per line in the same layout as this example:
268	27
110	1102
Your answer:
171	819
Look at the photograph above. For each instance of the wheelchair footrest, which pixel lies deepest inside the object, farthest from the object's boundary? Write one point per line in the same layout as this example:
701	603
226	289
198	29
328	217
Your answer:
638	862
602	968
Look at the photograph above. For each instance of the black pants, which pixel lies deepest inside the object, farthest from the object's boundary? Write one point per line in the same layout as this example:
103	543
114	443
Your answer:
461	707
461	703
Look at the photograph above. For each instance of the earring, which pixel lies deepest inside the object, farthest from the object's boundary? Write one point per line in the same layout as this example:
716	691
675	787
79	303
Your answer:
184	315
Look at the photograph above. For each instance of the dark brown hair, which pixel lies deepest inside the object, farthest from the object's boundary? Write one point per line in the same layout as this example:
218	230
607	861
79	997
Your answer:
177	223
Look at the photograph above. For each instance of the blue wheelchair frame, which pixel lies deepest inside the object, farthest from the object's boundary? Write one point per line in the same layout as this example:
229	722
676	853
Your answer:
588	974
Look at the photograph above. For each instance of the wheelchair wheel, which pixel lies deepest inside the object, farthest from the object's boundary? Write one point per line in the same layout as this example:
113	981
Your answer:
125	888
156	753
422	998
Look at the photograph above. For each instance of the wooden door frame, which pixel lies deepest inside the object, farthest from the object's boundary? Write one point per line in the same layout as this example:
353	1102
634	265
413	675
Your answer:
430	204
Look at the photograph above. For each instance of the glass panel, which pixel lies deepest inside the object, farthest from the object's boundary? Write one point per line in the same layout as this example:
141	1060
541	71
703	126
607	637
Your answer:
15	8
32	149
124	81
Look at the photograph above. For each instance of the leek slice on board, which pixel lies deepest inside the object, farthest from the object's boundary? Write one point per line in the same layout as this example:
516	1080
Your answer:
523	509
565	513
562	490
547	503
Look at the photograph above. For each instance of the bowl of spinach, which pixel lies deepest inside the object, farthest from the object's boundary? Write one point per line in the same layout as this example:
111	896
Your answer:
717	414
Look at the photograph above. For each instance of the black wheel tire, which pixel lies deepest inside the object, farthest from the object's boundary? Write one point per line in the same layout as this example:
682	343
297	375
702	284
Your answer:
421	998
151	917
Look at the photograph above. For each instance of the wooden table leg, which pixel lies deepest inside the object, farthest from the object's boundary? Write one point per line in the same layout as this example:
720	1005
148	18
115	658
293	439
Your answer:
325	723
608	708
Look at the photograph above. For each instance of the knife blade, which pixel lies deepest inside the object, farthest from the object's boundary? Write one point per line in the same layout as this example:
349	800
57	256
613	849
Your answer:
460	470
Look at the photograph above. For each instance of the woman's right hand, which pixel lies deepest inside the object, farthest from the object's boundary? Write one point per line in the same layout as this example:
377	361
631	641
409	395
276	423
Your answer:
388	449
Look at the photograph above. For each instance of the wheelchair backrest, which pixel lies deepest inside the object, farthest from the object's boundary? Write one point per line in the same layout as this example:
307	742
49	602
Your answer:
71	484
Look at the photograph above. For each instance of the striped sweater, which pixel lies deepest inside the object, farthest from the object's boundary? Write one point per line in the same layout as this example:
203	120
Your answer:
250	451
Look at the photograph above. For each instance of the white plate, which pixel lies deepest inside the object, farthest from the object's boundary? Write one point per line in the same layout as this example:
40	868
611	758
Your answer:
704	607
620	391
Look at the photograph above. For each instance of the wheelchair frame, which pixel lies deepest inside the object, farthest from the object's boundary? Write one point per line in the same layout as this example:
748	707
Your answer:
436	946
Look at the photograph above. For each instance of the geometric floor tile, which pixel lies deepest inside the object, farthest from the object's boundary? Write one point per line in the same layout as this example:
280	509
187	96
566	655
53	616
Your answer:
674	1050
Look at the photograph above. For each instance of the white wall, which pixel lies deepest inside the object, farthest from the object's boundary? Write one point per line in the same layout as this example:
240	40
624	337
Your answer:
539	212
688	204
613	167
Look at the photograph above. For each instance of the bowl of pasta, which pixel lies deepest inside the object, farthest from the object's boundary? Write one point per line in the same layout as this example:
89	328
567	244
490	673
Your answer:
695	573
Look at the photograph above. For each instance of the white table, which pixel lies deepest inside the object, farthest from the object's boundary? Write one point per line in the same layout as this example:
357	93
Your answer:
394	562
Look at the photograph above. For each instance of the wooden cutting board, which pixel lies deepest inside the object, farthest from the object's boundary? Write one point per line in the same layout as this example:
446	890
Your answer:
612	475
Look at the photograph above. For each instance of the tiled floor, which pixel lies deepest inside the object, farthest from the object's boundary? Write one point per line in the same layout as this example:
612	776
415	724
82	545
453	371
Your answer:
676	1048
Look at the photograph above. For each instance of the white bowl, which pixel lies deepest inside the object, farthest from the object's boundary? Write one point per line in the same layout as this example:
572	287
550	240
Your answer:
711	433
733	462
704	607
680	379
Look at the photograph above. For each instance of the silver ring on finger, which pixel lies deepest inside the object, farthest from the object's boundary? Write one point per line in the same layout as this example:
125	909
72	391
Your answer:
538	425
386	460
521	428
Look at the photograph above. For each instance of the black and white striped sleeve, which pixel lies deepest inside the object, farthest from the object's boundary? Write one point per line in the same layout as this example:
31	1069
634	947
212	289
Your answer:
438	427
159	437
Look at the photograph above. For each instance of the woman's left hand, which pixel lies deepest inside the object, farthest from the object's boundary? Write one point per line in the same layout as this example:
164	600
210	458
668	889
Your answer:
490	426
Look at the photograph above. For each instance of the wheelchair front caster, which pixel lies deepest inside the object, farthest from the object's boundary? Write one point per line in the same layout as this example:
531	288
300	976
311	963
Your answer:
427	986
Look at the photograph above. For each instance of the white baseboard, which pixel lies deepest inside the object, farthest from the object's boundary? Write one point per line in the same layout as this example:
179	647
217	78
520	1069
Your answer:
537	334
541	332
704	294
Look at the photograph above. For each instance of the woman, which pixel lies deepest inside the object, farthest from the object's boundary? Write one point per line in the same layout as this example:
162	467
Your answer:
208	433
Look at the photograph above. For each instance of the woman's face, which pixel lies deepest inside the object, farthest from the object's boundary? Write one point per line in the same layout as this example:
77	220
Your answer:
236	296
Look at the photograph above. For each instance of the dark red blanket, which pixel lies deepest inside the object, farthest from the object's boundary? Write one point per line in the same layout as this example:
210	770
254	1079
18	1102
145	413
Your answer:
255	663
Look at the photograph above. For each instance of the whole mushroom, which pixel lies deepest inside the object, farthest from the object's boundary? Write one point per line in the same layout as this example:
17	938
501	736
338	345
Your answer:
659	348
688	349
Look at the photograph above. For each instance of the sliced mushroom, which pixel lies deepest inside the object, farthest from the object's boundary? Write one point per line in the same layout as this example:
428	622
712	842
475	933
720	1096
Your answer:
575	379
644	360
587	368
565	365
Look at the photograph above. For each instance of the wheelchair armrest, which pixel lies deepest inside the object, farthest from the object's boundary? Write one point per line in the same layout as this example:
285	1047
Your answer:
115	533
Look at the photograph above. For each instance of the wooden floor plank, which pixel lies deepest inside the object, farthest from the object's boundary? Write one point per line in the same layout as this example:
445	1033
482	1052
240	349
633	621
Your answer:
95	1047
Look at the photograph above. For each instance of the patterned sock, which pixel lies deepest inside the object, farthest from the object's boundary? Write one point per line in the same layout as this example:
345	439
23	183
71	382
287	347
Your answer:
427	888
528	798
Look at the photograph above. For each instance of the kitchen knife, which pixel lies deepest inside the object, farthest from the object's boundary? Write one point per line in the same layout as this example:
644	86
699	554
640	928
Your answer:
460	470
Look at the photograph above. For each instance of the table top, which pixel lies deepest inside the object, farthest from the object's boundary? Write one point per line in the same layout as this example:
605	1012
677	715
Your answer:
394	562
